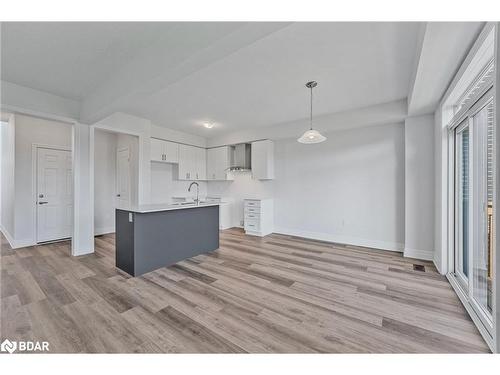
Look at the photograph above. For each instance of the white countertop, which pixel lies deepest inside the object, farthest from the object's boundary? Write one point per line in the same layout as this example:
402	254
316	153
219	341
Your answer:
145	208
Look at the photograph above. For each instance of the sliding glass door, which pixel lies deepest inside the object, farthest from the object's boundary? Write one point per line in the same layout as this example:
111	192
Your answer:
474	209
462	203
482	255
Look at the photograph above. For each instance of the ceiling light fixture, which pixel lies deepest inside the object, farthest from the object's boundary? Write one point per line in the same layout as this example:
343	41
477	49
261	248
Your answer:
311	135
208	125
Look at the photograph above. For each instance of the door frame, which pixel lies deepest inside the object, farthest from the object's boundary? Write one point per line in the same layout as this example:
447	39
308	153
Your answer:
34	182
141	156
485	325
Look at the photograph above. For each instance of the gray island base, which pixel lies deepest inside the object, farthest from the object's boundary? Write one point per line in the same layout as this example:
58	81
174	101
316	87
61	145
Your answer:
151	237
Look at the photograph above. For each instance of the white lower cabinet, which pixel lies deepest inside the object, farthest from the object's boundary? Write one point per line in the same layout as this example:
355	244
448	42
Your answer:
258	216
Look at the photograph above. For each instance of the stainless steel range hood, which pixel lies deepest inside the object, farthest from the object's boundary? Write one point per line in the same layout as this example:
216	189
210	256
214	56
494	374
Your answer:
241	157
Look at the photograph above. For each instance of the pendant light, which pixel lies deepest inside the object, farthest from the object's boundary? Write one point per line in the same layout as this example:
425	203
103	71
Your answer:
311	136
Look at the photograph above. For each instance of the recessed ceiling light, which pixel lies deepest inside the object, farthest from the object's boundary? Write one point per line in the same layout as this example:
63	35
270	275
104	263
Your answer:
208	125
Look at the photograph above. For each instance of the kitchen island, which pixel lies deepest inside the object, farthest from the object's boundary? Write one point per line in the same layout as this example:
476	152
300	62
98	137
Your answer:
149	237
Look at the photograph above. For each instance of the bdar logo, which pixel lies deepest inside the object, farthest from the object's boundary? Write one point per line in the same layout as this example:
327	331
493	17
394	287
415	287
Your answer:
8	346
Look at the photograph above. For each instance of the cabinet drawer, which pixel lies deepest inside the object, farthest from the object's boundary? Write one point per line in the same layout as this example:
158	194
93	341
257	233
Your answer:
252	225
252	210
252	203
252	215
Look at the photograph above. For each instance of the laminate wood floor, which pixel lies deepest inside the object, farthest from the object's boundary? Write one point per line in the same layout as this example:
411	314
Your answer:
277	294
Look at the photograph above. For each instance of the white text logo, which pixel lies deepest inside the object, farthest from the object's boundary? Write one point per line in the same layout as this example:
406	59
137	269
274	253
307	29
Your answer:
24	346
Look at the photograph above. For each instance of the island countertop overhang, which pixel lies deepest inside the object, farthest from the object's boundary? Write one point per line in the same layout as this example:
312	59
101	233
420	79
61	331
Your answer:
147	208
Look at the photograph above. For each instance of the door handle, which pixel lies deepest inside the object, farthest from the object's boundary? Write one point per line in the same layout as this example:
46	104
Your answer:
43	202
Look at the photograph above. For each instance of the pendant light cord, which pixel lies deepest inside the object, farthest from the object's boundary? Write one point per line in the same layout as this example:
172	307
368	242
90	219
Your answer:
311	116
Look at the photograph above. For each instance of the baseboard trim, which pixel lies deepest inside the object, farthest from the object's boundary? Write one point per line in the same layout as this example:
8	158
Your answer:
382	245
7	235
436	265
104	230
16	244
418	254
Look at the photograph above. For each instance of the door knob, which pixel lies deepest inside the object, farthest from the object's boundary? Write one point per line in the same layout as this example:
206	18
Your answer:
40	196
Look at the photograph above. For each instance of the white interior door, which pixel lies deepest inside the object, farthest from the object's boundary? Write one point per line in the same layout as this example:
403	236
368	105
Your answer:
123	177
54	194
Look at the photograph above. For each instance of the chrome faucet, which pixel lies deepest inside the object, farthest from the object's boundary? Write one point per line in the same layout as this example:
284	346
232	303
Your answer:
197	200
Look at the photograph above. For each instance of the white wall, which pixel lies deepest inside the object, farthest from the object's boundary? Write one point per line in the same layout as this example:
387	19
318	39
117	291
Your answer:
385	113
30	130
104	181
7	177
165	185
419	187
1	137
349	189
177	136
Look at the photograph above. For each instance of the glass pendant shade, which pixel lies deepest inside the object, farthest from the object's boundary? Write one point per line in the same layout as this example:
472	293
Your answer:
311	136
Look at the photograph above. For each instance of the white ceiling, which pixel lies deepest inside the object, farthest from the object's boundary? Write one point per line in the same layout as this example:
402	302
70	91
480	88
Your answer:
71	59
235	75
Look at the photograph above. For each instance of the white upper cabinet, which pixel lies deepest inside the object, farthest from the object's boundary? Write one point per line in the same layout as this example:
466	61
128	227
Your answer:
156	149
164	151
198	164
263	160
211	163
171	152
218	163
201	163
192	163
187	162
